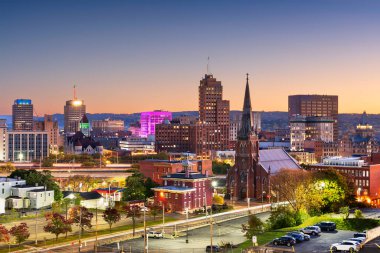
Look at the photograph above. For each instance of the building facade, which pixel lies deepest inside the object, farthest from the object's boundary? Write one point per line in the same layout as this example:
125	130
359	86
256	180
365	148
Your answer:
107	126
27	145
315	105
3	140
173	137
22	115
149	120
51	127
184	191
304	128
137	145
73	113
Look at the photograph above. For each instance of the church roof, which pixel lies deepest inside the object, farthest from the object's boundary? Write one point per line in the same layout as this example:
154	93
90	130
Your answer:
276	159
246	120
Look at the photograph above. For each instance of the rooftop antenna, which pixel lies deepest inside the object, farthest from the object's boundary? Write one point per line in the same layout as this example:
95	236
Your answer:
208	63
75	92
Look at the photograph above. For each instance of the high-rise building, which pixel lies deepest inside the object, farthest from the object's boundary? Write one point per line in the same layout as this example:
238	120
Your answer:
22	115
304	128
3	140
315	105
149	120
73	113
213	128
173	137
27	145
51	127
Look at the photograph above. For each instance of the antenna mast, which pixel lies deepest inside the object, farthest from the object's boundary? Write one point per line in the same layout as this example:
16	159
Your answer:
75	93
208	62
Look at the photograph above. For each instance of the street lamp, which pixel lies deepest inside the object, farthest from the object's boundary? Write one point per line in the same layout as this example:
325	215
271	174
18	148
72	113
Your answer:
187	225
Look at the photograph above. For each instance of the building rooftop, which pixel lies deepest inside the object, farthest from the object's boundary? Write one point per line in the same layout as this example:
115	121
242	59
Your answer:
342	161
174	188
9	179
40	190
277	159
84	195
182	175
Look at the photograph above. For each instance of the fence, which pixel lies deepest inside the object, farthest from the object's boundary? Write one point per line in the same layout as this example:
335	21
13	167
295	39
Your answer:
267	250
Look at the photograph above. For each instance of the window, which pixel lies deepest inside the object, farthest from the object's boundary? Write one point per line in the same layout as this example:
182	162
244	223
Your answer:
176	196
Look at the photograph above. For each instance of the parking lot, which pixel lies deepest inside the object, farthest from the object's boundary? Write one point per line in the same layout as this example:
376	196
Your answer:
321	243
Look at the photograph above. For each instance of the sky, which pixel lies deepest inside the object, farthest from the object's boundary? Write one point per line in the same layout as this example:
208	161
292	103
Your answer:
131	56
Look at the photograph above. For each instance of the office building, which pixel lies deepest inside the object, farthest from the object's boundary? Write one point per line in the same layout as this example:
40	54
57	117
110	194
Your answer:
137	145
310	128
22	115
3	140
51	127
315	105
107	126
27	146
84	126
149	120
73	113
173	137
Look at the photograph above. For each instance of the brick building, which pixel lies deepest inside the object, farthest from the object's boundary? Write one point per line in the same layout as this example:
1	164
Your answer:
365	176
157	169
185	190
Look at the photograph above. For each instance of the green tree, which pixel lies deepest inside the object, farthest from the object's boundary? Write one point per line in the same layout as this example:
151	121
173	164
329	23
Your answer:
20	232
254	226
56	224
133	212
135	188
47	162
155	210
345	210
111	216
43	178
284	217
149	184
220	168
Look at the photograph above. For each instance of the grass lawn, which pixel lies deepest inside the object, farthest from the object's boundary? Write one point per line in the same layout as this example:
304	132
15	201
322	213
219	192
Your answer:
341	224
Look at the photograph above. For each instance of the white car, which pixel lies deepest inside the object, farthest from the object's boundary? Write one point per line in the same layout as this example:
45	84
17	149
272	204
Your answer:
349	246
144	208
154	234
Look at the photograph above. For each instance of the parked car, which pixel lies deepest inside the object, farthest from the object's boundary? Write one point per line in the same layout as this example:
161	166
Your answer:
215	248
360	234
311	230
154	234
357	239
284	240
326	225
299	236
349	246
144	208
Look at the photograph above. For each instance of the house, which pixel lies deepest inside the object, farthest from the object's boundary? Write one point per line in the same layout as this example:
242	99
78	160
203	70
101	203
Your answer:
184	190
90	200
110	194
16	194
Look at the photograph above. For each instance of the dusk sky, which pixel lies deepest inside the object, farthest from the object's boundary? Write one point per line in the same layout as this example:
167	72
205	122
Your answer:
132	56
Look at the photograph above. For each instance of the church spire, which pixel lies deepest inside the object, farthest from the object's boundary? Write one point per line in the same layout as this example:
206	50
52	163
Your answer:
246	120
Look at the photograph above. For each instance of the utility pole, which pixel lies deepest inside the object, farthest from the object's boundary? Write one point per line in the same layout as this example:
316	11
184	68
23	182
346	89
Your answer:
80	228
96	229
35	229
145	235
211	229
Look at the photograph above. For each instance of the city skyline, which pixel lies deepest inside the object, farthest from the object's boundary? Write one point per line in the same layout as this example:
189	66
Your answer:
121	53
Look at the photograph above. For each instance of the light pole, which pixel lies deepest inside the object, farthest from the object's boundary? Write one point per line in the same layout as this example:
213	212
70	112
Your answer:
145	235
187	225
96	228
248	198
35	229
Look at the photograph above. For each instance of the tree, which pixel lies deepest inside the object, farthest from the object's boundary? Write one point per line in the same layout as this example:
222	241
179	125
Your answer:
358	214
345	210
43	178
47	162
135	188
4	234
111	216
133	212
154	210
8	167
284	217
218	200
149	184
220	168
254	226
57	224
81	216
21	232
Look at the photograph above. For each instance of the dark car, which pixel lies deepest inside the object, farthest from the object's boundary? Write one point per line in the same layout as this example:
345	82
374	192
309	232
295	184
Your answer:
299	236
284	240
215	248
326	225
360	234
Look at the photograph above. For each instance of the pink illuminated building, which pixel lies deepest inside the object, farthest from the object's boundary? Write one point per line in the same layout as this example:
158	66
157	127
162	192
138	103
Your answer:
148	121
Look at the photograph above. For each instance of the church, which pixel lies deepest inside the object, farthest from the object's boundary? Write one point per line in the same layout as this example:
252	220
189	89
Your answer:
250	176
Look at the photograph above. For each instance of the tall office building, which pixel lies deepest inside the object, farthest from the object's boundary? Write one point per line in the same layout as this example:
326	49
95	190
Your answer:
73	113
149	120
27	145
213	128
3	140
51	127
315	105
22	115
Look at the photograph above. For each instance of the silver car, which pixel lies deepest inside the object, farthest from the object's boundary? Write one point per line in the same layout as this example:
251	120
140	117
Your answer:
311	230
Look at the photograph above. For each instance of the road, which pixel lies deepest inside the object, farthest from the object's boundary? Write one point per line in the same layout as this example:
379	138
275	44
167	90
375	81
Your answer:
229	231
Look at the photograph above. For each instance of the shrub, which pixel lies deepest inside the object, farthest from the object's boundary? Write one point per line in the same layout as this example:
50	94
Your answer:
358	214
345	211
284	217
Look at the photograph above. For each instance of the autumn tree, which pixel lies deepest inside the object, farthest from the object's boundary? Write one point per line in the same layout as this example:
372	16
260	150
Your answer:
111	216
218	200
56	224
133	212
4	234
81	216
20	232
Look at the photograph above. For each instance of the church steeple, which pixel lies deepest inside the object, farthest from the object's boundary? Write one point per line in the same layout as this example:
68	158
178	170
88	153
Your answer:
246	128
